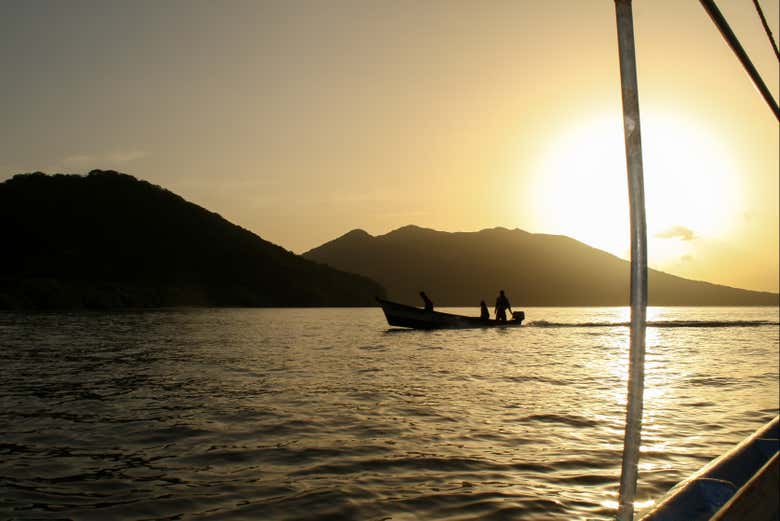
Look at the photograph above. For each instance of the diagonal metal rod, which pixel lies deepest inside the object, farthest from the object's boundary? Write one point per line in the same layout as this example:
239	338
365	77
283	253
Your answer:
767	30
636	199
731	39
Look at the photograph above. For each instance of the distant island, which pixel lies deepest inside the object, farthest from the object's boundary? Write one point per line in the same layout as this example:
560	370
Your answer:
107	240
460	269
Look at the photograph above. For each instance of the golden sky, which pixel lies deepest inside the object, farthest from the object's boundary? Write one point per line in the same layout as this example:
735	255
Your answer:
303	120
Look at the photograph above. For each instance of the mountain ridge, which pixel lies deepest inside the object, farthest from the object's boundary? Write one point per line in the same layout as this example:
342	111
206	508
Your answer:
109	240
461	268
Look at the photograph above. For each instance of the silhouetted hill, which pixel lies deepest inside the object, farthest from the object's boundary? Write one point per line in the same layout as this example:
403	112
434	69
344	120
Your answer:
109	240
460	269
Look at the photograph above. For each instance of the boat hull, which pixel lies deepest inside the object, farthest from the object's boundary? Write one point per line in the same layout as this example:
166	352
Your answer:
741	484
401	315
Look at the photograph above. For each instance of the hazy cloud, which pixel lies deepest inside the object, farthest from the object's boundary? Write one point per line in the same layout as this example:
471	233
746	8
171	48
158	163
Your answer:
125	156
677	232
107	160
78	161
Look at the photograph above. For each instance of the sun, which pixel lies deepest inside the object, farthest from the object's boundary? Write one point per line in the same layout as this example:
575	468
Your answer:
691	185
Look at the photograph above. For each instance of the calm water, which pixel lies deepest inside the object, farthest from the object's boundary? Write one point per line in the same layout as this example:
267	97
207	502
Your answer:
326	414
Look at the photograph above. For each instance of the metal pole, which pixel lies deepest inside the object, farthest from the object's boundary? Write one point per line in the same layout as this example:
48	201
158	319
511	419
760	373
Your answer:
636	199
767	30
731	39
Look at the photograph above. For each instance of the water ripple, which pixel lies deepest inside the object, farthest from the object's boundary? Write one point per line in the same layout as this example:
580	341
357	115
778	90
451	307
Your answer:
324	414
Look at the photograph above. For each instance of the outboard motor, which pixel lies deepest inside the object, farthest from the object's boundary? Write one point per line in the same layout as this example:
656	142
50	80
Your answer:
518	316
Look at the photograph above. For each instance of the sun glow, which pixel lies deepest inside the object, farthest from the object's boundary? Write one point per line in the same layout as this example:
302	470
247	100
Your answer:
691	185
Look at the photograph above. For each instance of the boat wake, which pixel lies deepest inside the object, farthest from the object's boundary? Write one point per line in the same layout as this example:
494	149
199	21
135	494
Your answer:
660	323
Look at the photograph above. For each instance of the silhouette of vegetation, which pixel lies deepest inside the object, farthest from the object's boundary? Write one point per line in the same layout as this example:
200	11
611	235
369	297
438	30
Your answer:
108	240
461	269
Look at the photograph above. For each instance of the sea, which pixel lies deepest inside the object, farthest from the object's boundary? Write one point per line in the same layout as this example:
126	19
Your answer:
330	414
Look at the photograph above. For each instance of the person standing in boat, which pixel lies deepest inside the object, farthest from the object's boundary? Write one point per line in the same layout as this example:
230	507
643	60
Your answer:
484	314
428	302
502	305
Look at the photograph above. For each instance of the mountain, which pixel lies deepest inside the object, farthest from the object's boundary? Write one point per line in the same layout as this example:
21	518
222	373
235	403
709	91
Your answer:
460	269
108	240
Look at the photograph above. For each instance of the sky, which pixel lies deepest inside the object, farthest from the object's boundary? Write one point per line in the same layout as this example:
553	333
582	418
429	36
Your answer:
303	120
